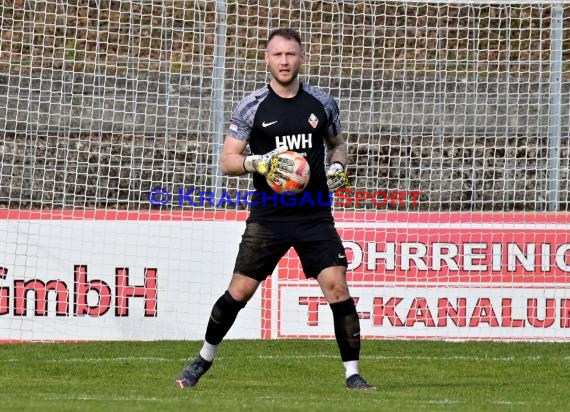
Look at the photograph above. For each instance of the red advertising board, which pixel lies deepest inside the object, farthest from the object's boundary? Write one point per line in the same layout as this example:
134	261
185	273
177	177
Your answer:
427	275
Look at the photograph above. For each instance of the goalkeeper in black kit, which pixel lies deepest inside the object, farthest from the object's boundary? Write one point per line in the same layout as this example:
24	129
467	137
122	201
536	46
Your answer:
286	115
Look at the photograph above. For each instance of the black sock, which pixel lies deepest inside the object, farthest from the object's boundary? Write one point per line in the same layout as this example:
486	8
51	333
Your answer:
222	318
347	329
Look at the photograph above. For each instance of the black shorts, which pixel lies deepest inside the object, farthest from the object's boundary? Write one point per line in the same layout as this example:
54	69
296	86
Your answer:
264	243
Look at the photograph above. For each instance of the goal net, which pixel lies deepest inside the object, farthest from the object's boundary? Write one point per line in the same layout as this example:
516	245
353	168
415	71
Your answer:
116	222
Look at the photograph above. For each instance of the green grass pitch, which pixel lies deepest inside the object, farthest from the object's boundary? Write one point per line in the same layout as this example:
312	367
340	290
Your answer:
286	375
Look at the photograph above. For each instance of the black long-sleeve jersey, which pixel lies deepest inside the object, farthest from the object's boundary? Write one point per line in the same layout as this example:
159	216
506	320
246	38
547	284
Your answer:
267	121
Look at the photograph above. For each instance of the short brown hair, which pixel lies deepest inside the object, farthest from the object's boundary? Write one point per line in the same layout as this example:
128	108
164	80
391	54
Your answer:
289	34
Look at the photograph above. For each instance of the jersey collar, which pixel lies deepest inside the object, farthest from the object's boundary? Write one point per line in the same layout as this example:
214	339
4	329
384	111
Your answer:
286	98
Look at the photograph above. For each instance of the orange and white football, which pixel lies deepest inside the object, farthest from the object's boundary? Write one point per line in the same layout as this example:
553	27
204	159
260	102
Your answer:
295	181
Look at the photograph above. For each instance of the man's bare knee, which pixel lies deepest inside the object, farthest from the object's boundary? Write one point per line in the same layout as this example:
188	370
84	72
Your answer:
333	284
242	287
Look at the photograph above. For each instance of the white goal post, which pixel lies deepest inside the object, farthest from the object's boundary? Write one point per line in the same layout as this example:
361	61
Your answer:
116	223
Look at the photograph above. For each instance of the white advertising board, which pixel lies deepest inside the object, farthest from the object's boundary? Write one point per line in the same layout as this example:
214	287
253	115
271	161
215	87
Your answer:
137	276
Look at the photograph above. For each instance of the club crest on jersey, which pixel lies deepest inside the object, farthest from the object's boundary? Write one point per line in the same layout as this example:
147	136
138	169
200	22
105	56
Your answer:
313	120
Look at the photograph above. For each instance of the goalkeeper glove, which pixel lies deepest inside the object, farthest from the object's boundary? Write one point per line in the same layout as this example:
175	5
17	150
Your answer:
337	177
268	163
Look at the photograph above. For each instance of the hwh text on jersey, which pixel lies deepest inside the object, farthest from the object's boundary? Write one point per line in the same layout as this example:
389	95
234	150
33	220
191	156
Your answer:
295	141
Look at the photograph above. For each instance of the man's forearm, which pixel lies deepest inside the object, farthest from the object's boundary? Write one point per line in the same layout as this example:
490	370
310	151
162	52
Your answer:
232	164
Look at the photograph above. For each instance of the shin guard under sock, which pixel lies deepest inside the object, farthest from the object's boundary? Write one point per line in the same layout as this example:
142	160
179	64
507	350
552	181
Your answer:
222	318
347	329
